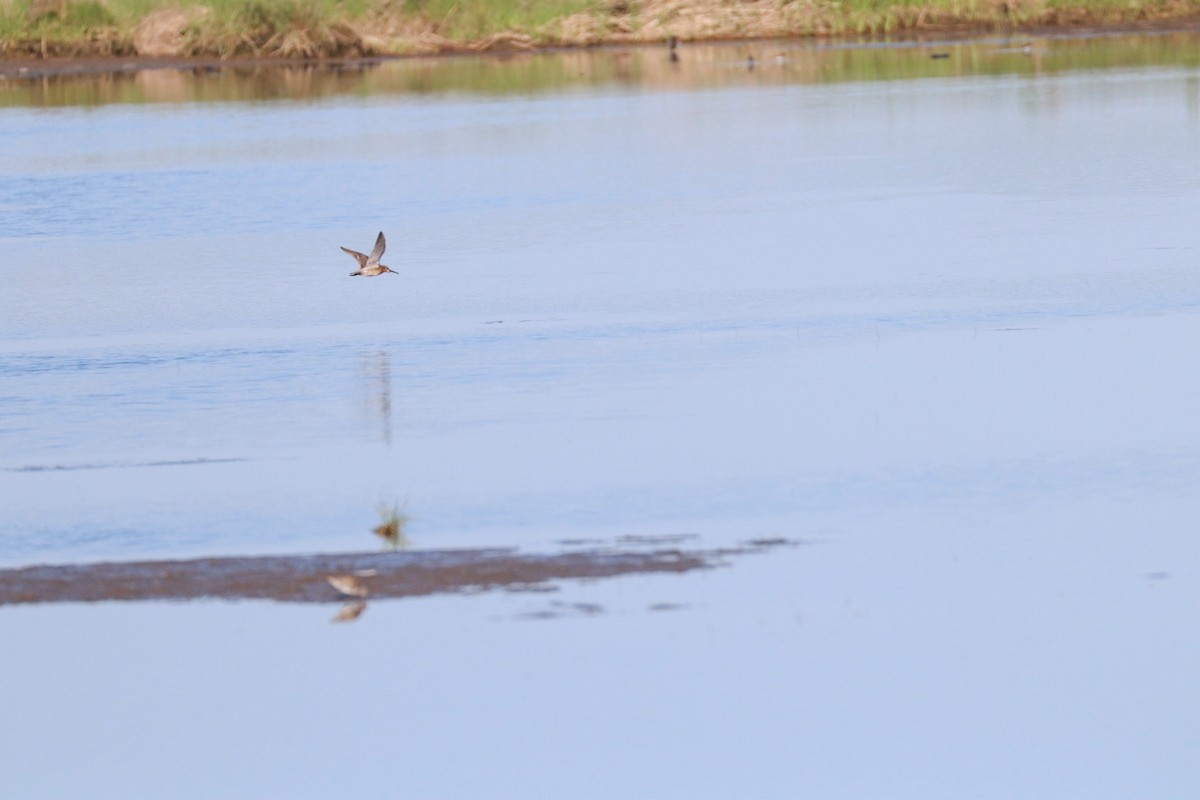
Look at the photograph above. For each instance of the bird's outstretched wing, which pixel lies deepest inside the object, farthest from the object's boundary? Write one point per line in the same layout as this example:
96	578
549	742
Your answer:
377	253
359	257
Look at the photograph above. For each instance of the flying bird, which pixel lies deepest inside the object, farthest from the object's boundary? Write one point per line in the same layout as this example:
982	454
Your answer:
369	265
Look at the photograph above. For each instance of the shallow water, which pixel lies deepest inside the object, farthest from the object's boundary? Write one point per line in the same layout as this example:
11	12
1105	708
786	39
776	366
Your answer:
935	319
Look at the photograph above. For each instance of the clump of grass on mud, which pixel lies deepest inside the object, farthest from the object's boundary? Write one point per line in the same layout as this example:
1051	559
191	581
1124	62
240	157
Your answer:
278	28
392	522
340	28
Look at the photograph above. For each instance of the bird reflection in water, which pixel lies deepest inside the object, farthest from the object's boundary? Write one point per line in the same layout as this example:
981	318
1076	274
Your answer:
377	368
350	611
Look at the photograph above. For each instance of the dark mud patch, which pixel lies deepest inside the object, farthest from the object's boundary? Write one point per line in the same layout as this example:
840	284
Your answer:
28	66
340	577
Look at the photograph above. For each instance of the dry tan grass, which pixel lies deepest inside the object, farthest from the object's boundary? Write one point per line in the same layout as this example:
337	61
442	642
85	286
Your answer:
303	41
392	32
165	32
44	8
503	41
697	20
700	20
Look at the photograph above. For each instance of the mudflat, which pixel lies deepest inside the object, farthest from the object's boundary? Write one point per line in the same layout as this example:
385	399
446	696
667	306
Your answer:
317	578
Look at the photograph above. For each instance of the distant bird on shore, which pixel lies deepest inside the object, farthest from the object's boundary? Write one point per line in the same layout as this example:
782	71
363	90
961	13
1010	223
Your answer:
369	265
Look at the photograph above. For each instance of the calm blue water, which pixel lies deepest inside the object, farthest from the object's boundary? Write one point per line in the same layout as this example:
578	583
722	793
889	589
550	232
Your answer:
183	351
943	329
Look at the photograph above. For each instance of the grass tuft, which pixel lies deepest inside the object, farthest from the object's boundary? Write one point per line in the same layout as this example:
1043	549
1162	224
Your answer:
392	524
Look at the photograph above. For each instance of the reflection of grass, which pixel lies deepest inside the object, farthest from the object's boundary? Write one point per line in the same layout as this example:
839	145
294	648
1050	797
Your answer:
391	526
315	28
704	66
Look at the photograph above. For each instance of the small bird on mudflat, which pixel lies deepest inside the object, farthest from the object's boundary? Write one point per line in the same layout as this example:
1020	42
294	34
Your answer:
347	585
369	265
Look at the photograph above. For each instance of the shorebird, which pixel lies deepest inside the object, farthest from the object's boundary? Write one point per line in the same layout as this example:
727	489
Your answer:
348	585
369	265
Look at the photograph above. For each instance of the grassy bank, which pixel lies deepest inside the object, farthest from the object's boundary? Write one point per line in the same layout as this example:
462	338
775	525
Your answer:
348	28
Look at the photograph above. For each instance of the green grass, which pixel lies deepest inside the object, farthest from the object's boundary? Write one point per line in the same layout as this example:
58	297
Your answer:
476	19
78	20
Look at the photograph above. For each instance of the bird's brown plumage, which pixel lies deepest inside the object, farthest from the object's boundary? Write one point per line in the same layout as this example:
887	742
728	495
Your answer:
369	265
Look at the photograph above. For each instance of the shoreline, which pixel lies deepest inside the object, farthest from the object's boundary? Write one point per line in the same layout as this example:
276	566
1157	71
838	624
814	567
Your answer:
179	48
23	65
